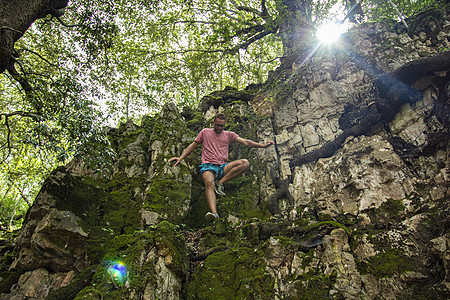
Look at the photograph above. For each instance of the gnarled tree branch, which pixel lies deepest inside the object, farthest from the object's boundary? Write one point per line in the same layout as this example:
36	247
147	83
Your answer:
16	17
34	116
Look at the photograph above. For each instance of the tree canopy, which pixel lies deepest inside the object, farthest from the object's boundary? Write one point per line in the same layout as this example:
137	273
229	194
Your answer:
70	67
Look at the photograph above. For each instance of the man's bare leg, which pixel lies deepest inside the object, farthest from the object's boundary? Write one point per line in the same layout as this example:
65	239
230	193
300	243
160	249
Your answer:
233	169
208	178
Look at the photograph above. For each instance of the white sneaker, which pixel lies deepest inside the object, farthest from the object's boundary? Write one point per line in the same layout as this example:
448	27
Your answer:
219	189
211	216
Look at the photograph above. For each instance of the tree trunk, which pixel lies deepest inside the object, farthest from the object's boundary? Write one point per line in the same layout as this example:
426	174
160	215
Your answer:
16	16
295	25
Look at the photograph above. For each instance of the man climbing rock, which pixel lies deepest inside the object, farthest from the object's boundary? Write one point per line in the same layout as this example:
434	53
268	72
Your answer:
215	168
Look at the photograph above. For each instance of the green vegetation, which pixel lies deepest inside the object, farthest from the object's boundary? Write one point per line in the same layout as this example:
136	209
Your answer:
387	263
132	251
380	9
389	211
314	286
331	223
392	207
235	274
168	197
79	195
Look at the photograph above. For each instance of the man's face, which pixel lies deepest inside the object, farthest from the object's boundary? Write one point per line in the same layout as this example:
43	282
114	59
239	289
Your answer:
218	125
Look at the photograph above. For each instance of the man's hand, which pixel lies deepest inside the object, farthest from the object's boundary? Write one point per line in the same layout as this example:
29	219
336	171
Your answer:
268	143
175	158
185	153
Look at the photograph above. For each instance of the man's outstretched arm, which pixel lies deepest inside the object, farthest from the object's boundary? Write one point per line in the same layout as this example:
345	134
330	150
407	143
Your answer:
252	144
185	153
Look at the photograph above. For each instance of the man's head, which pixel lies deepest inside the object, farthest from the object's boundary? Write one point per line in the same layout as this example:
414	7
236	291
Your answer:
219	122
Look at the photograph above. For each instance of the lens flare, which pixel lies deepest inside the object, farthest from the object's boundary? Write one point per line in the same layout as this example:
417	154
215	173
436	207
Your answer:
118	273
330	32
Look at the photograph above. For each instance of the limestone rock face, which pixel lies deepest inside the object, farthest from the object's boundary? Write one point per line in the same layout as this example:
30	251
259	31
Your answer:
56	230
367	220
339	261
361	176
38	283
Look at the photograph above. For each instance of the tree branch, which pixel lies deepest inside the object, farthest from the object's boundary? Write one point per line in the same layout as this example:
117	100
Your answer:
400	15
67	25
193	22
256	28
251	40
40	56
8	141
186	51
12	29
21	113
264	11
411	72
23	196
21	80
247	9
35	117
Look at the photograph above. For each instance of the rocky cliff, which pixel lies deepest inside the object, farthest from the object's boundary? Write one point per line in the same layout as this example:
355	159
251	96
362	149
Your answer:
351	203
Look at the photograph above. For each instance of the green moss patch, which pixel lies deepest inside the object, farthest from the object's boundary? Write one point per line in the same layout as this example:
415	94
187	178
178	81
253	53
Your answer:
167	196
392	207
196	122
118	214
242	198
234	274
124	250
313	287
130	251
386	264
120	139
167	238
389	211
330	224
77	194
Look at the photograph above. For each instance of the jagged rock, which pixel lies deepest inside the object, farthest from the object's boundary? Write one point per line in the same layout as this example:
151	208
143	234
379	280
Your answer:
56	229
339	261
168	285
38	283
361	176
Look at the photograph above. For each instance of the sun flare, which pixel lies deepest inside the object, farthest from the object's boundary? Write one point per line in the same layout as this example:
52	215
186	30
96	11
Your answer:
330	32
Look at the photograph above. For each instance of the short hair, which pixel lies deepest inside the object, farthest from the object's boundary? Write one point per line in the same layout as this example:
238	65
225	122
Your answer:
220	116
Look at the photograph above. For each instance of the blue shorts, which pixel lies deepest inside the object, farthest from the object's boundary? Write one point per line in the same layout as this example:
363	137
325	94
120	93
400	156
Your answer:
216	169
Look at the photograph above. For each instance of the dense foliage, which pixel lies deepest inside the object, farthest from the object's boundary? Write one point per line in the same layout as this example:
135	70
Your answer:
48	108
110	60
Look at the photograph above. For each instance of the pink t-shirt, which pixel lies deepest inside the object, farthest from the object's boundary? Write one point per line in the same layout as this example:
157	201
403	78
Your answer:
215	146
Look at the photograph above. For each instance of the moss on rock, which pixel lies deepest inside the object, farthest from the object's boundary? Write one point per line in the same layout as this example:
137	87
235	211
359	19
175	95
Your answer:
169	241
313	286
386	264
77	194
334	224
168	197
389	211
118	214
130	252
236	274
